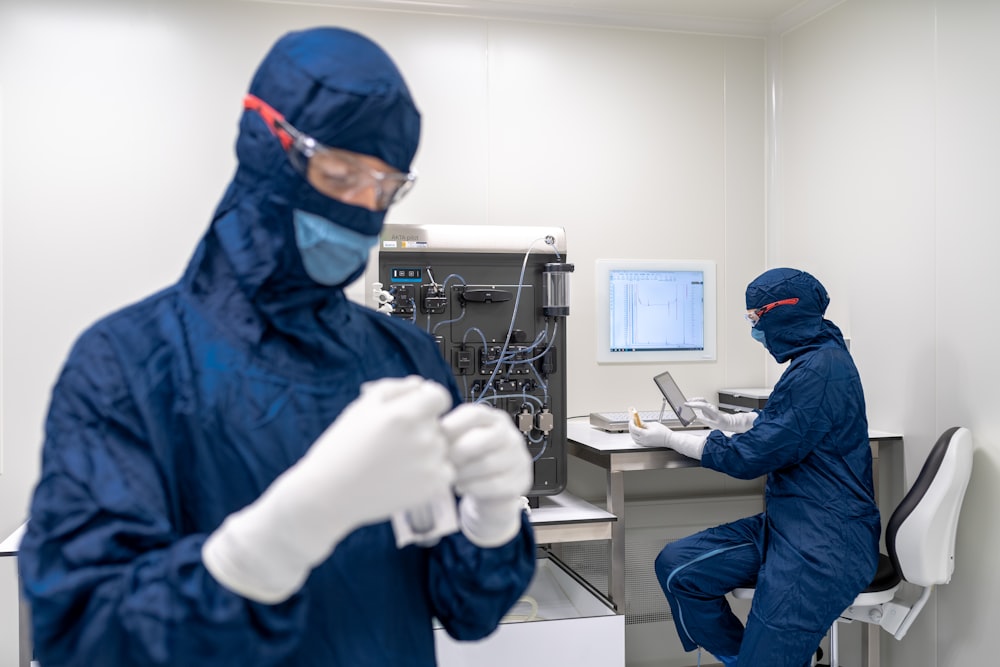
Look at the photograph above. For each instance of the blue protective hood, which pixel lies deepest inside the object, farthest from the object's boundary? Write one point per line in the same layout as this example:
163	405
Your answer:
345	91
793	329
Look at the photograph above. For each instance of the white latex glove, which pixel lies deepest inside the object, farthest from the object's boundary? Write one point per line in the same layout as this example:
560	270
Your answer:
711	416
386	452
657	435
493	470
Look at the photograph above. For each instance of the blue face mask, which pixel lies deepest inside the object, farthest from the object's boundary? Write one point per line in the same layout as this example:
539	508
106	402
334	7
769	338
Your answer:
331	254
758	336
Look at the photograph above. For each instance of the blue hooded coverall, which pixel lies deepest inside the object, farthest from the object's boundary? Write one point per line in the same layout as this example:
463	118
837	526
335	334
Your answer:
815	547
181	409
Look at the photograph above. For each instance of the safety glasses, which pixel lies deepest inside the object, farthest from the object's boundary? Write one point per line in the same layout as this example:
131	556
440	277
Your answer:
343	175
753	316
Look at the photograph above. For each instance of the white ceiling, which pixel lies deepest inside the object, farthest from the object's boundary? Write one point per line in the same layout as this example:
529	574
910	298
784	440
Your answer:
749	17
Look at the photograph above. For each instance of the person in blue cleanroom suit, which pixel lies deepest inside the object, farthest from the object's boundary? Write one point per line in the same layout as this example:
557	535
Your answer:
815	547
220	459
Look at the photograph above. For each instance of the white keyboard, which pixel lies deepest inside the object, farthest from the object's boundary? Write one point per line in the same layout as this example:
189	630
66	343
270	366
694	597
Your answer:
617	422
644	415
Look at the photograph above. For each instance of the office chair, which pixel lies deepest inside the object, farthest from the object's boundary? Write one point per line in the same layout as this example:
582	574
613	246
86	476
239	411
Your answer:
920	539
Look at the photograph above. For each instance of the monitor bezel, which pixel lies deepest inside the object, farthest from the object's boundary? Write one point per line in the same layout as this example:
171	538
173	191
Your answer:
603	269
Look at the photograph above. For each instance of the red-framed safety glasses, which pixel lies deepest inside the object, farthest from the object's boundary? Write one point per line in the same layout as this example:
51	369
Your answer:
753	316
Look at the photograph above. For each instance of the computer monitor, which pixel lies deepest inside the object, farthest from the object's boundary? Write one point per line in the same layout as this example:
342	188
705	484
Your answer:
655	310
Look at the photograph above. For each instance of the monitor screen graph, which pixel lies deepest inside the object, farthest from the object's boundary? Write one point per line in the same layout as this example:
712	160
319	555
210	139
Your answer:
655	310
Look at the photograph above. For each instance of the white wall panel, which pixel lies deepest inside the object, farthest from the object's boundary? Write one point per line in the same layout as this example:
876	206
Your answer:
967	319
744	235
857	149
888	158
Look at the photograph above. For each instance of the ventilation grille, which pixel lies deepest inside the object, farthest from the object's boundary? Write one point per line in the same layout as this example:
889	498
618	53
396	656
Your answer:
651	526
589	560
644	600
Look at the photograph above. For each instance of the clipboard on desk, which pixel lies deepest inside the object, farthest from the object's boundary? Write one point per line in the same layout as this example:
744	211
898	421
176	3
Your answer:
674	397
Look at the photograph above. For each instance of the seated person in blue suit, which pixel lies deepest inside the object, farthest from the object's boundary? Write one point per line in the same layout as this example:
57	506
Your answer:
815	547
222	459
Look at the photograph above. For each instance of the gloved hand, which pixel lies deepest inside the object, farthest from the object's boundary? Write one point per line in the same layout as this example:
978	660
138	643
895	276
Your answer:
386	452
711	416
493	470
657	435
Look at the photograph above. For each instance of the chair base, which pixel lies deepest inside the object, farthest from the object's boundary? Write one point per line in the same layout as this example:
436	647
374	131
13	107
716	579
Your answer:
866	614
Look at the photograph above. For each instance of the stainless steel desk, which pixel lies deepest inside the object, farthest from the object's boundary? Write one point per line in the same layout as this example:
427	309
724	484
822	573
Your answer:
9	547
617	454
566	518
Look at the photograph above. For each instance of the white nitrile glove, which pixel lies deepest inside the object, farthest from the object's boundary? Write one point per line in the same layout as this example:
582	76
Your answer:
493	470
711	416
657	435
386	452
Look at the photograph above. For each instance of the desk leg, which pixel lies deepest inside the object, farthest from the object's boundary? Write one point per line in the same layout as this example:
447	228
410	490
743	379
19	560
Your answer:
616	505
24	631
875	472
871	634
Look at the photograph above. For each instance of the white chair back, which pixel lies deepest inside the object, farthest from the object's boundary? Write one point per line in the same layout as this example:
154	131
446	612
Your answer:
920	536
